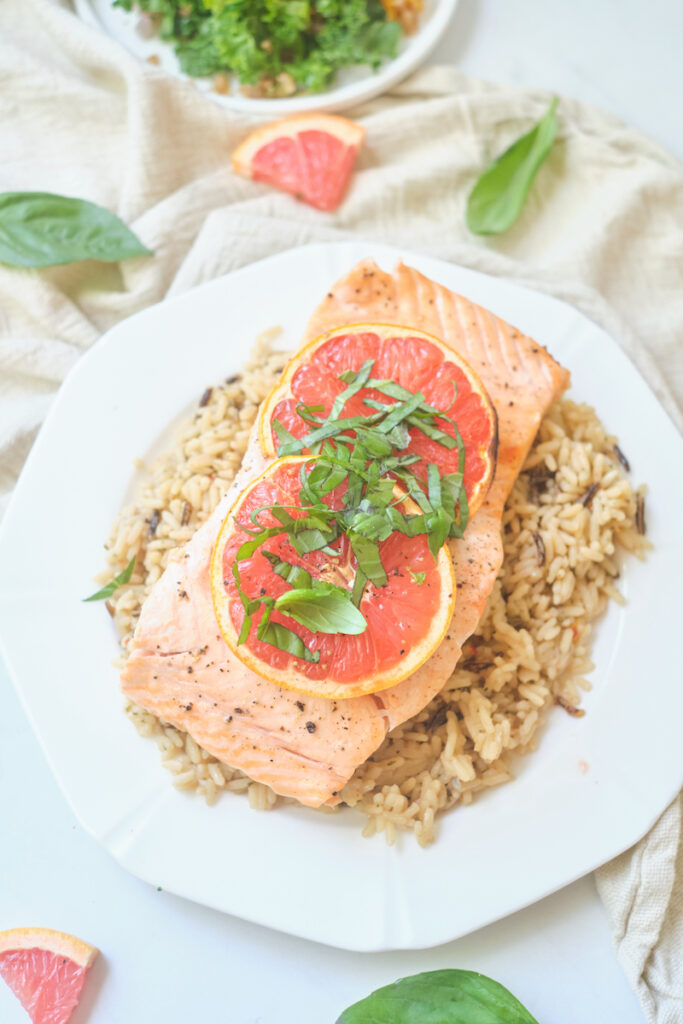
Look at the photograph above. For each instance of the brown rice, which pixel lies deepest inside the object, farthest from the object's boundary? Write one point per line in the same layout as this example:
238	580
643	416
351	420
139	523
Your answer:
569	513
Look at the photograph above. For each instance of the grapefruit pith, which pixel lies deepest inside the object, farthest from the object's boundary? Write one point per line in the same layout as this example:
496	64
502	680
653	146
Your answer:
416	361
405	617
311	156
46	971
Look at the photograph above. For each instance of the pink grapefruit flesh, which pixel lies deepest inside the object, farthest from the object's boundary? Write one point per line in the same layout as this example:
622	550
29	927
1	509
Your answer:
46	970
311	156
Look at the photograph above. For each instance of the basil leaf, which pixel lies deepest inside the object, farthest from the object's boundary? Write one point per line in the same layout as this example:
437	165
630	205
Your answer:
355	386
328	429
292	574
247	549
249	606
323	609
306	541
400	412
418	577
39	229
429	428
285	640
439	997
452	490
439	530
498	196
282	434
367	556
434	485
358	587
308	413
118	581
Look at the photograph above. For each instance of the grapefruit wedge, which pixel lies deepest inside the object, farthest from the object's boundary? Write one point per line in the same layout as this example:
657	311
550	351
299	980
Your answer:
384	637
311	156
46	971
416	361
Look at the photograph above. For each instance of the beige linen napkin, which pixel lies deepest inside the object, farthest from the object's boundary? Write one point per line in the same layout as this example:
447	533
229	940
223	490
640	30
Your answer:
603	229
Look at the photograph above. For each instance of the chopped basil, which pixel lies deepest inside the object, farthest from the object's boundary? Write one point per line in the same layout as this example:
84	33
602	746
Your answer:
364	453
118	581
287	640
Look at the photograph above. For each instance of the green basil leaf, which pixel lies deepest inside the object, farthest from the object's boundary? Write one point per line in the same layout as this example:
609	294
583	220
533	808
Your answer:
375	445
282	434
323	609
359	381
452	490
418	577
434	485
247	549
367	556
358	587
308	413
329	429
39	229
285	640
498	196
380	493
373	525
439	997
439	529
306	541
292	574
428	427
118	581
400	412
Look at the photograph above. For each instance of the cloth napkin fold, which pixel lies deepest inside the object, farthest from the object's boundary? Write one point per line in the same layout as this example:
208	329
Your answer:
603	229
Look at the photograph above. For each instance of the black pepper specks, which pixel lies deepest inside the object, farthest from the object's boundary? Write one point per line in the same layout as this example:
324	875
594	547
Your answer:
311	726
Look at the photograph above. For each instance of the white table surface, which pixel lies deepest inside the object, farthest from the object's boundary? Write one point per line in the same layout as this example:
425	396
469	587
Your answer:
167	960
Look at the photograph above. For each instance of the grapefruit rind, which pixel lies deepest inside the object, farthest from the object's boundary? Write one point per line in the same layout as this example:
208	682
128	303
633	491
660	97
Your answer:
290	678
282	390
348	132
59	943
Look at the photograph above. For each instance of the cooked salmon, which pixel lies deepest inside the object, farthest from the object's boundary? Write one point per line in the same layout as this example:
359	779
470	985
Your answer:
180	667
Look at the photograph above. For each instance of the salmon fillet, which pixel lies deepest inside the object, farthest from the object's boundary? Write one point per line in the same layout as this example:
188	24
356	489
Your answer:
180	667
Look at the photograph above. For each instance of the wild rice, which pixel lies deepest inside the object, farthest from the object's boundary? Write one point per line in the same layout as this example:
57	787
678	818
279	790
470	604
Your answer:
570	512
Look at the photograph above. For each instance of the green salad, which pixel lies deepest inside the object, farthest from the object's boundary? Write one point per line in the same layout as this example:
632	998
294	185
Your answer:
274	47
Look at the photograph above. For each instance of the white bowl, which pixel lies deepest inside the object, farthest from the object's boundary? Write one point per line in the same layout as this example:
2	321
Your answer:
352	85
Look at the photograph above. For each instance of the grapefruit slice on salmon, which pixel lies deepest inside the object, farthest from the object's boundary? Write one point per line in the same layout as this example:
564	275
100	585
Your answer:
311	156
392	360
290	614
46	970
180	667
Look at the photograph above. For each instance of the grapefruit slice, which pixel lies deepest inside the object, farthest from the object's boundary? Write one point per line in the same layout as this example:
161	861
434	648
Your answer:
311	156
410	358
406	617
46	971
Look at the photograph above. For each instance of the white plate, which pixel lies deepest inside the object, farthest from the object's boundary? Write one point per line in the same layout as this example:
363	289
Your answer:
352	85
294	869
